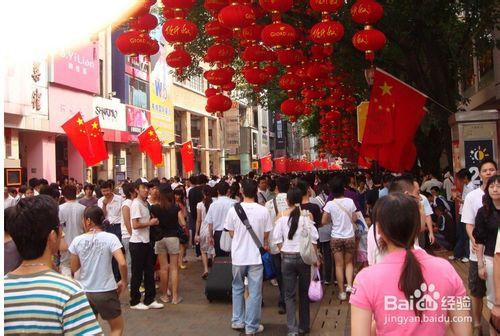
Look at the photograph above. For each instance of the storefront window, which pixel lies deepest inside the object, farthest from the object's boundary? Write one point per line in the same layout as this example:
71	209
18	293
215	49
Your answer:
138	93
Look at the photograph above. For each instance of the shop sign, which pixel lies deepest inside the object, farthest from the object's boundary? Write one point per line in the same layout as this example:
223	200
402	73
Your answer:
111	113
78	68
255	165
137	119
232	129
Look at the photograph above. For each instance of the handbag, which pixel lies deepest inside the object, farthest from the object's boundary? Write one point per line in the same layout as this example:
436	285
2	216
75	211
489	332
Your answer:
225	241
306	249
267	259
315	289
181	233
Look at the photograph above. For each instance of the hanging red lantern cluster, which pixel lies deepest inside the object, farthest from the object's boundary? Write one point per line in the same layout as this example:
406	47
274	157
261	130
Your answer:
178	31
369	40
236	15
136	41
327	31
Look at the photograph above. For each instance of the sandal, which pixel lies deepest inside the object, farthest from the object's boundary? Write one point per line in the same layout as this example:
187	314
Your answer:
183	267
165	299
204	276
179	300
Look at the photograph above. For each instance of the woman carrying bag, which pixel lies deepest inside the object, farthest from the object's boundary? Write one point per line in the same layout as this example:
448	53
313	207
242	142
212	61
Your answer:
291	228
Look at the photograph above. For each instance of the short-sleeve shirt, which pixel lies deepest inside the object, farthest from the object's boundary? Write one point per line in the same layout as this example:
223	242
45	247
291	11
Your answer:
125	234
376	289
473	201
113	209
244	251
341	222
95	251
139	210
427	206
168	218
280	233
217	212
46	303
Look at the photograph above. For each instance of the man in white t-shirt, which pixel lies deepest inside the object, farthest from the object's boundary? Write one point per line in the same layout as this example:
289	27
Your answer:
473	201
216	216
276	206
247	261
141	251
429	182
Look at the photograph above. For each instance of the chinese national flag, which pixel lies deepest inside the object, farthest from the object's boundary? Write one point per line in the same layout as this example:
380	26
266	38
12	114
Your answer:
96	142
187	156
266	163
76	131
280	165
395	112
151	145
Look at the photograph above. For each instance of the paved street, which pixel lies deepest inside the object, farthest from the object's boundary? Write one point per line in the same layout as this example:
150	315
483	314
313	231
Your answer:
195	315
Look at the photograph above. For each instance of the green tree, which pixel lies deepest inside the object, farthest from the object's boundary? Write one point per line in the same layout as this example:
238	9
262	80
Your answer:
430	44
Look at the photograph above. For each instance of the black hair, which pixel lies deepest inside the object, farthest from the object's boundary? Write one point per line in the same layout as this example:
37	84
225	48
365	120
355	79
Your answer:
107	185
43	181
50	190
33	182
436	189
303	186
89	186
336	186
487	200
128	188
486	161
96	216
251	175
155	182
222	188
207	196
234	190
193	179
112	182
12	190
22	189
202	179
69	192
376	179
30	222
272	185
387	178
249	188
283	184
464	174
401	184
398	218
166	196
262	178
294	197
180	192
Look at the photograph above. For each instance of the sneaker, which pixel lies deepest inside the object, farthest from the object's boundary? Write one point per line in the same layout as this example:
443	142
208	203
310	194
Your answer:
236	326
156	305
274	282
259	330
140	306
342	296
452	257
348	289
464	260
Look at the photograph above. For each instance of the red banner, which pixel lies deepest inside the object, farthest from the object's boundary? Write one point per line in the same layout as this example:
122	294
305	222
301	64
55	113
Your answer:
266	163
187	155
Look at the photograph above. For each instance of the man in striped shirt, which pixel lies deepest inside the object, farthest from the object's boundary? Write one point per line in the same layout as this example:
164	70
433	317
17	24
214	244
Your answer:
39	300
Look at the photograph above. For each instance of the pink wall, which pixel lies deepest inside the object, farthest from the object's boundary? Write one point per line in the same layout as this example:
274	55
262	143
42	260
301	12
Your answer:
64	103
40	155
75	164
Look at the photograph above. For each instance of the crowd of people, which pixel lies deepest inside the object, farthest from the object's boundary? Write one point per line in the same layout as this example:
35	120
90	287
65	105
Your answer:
72	250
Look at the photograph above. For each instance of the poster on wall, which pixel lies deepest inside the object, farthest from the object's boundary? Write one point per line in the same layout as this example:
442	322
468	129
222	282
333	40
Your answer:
78	68
161	106
477	150
255	148
137	120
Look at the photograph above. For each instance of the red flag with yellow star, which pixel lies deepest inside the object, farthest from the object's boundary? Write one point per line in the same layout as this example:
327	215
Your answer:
76	131
266	163
280	165
151	145
187	155
96	142
395	112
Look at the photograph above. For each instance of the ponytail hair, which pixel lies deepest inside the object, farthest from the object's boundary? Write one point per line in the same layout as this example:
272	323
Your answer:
398	218
96	216
294	197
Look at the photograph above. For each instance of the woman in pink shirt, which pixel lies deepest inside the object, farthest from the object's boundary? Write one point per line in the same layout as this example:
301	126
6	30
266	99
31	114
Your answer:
409	292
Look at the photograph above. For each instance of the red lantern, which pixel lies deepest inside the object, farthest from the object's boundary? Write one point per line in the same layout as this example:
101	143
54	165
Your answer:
290	82
179	31
215	6
289	57
214	28
276	6
254	53
328	6
278	35
327	32
369	40
179	58
153	47
317	70
219	76
145	22
255	75
251	33
312	94
236	16
132	43
222	53
229	86
211	92
366	12
179	4
171	13
271	70
219	103
292	107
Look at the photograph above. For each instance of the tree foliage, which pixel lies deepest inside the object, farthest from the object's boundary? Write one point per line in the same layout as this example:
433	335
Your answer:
430	46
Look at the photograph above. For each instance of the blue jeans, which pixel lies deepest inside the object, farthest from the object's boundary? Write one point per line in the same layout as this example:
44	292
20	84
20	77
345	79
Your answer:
125	242
247	314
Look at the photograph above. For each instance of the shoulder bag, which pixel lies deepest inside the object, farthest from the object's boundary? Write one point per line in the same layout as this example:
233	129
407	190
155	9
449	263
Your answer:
267	260
306	248
359	225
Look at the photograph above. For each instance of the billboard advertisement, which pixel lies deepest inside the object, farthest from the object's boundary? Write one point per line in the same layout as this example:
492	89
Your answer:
111	113
137	120
78	68
232	130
